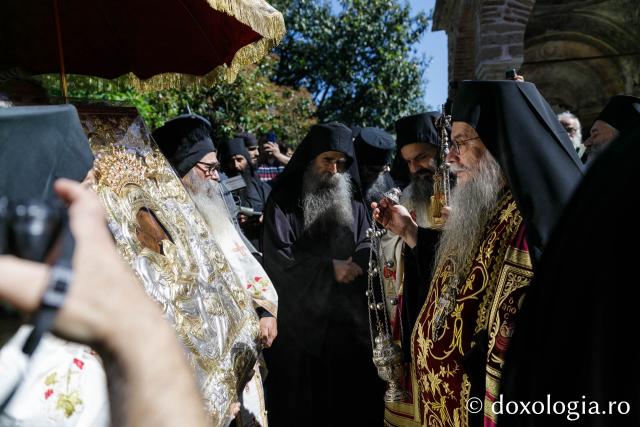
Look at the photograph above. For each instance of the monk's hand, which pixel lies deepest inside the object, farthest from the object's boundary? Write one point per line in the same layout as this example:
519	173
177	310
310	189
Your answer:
346	271
397	219
268	331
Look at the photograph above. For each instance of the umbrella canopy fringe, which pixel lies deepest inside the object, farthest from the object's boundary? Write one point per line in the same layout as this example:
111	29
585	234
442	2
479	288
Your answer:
259	16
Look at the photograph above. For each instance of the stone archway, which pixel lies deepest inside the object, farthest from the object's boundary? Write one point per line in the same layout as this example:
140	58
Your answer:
580	53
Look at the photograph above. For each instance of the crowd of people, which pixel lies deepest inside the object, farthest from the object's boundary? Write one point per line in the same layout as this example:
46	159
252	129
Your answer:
512	295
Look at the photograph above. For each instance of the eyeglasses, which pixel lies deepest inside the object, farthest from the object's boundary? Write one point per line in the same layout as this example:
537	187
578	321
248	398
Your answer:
457	146
209	168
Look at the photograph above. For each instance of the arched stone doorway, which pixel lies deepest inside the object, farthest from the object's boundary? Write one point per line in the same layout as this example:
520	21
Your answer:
582	52
578	52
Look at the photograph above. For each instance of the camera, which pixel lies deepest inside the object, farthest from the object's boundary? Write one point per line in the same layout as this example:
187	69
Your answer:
30	229
248	211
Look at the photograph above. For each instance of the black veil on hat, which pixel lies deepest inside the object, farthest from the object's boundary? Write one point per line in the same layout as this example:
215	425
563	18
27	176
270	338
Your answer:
373	146
321	138
39	145
233	147
621	112
184	141
418	128
249	139
521	131
577	320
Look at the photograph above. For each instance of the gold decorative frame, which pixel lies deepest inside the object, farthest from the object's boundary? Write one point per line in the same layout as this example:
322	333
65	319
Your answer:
190	278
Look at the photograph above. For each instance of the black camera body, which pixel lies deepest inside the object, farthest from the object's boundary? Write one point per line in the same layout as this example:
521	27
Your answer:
30	229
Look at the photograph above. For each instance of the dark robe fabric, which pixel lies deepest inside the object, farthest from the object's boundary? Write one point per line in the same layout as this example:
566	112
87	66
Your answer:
575	339
417	271
256	192
253	196
320	367
39	145
417	277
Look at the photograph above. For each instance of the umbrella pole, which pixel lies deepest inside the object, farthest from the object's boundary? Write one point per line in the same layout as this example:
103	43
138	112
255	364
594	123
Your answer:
63	75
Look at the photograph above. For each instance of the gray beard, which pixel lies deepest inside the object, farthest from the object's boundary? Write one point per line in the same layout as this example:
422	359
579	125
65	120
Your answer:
377	189
417	198
472	206
326	199
207	197
421	190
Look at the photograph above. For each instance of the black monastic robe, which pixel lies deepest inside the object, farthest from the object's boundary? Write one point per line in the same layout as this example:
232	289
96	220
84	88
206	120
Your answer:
320	367
321	371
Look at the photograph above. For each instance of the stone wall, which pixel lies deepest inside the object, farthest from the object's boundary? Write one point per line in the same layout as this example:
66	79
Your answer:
578	52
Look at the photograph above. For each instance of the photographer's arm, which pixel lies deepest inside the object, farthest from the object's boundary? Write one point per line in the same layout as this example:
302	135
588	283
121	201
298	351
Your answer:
107	308
273	149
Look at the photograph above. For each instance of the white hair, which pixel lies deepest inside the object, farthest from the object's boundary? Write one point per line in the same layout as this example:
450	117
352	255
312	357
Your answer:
576	139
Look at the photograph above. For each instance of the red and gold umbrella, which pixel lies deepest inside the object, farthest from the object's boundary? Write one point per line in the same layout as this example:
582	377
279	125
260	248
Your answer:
110	38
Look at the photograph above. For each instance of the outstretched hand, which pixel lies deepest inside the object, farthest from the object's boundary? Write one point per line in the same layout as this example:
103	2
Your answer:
397	219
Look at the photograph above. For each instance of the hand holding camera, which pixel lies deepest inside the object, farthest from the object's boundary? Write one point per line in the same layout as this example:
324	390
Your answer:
512	74
99	288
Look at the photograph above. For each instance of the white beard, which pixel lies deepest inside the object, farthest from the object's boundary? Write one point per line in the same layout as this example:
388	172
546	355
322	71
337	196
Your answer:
207	196
472	206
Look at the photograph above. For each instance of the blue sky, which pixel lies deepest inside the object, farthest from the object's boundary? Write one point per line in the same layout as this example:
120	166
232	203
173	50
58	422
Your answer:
433	45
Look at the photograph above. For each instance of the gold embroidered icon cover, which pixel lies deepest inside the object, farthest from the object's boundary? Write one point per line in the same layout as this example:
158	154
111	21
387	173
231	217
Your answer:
184	269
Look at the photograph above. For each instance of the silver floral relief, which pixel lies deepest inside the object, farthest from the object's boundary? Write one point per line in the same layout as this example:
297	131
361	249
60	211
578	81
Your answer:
183	269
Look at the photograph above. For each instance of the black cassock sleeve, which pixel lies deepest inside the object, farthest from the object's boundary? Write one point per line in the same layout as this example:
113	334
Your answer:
418	269
303	280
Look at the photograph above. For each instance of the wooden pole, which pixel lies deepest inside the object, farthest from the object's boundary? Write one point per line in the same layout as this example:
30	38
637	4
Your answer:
63	75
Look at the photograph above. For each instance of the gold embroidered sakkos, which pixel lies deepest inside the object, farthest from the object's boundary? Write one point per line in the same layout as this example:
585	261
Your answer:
487	286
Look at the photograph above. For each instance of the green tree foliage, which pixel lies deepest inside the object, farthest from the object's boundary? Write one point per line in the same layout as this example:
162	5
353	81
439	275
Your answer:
359	62
252	103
